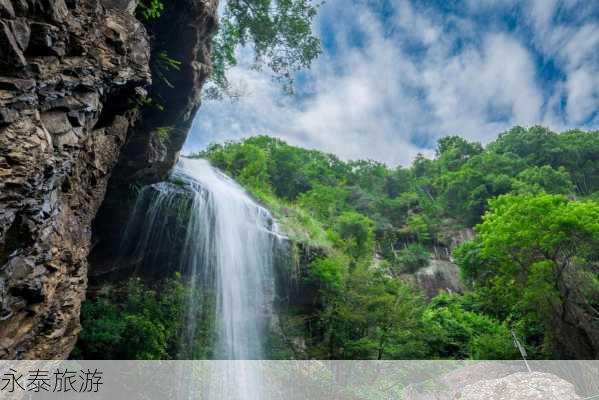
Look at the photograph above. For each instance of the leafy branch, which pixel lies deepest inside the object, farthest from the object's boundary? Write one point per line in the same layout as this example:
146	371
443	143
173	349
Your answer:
278	31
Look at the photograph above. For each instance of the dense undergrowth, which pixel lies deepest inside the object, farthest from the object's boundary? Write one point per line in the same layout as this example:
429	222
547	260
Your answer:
135	320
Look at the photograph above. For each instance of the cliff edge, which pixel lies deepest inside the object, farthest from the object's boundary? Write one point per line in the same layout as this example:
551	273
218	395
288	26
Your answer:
75	79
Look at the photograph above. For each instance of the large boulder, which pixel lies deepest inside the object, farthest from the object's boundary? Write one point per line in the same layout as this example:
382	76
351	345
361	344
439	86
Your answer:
520	386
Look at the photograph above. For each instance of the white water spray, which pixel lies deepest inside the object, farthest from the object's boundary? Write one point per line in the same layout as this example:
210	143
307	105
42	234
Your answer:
238	242
228	244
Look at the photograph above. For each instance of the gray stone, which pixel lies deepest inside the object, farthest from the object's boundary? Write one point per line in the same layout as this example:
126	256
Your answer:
21	31
21	6
56	122
45	40
56	10
520	386
124	5
6	9
11	55
439	276
23	85
7	115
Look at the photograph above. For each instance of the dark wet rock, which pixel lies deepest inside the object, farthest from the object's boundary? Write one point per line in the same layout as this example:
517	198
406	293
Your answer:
46	40
55	162
21	31
6	9
147	157
125	5
72	74
11	55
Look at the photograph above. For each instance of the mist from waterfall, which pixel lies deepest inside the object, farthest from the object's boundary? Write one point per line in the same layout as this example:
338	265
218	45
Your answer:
234	236
223	242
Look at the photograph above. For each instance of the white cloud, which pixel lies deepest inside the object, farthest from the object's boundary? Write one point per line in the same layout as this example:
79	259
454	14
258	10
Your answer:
382	101
475	93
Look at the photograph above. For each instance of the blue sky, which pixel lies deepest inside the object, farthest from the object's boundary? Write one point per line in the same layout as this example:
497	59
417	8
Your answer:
396	75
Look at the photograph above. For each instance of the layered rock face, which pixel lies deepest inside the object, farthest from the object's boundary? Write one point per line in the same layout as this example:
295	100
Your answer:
182	34
73	76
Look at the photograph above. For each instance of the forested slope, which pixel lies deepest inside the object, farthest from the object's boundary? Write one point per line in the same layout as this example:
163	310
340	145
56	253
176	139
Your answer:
532	268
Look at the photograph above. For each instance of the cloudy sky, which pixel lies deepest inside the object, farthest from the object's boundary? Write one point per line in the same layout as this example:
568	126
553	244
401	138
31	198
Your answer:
396	75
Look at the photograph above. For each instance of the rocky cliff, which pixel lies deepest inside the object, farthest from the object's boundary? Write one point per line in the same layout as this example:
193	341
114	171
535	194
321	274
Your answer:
75	79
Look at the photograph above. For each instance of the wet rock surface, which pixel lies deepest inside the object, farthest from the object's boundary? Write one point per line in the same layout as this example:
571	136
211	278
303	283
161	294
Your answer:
71	78
184	34
439	276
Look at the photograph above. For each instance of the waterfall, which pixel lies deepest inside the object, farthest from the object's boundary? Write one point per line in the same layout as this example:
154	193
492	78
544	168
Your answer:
203	224
233	235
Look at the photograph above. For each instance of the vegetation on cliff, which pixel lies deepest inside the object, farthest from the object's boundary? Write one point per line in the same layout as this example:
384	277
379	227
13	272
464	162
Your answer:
135	320
531	268
532	196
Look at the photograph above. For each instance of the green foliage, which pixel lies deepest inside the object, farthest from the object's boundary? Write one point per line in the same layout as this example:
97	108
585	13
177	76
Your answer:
574	150
455	331
372	316
532	256
465	191
453	151
324	202
418	228
278	31
162	65
330	271
523	230
164	133
412	257
137	322
150	9
535	180
357	234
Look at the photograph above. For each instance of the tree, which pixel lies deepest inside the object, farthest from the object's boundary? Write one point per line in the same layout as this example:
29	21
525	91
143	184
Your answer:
453	151
278	31
324	202
150	9
286	172
371	316
535	259
454	331
137	322
466	191
250	165
357	233
535	180
537	145
413	257
574	150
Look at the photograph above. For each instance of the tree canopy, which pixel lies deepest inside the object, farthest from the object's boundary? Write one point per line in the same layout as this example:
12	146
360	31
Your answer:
531	197
531	268
279	32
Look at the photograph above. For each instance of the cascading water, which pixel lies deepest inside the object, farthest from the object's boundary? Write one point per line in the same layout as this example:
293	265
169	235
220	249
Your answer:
220	239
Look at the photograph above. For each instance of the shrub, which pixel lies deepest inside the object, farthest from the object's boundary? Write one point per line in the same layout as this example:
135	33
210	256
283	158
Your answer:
411	258
134	321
